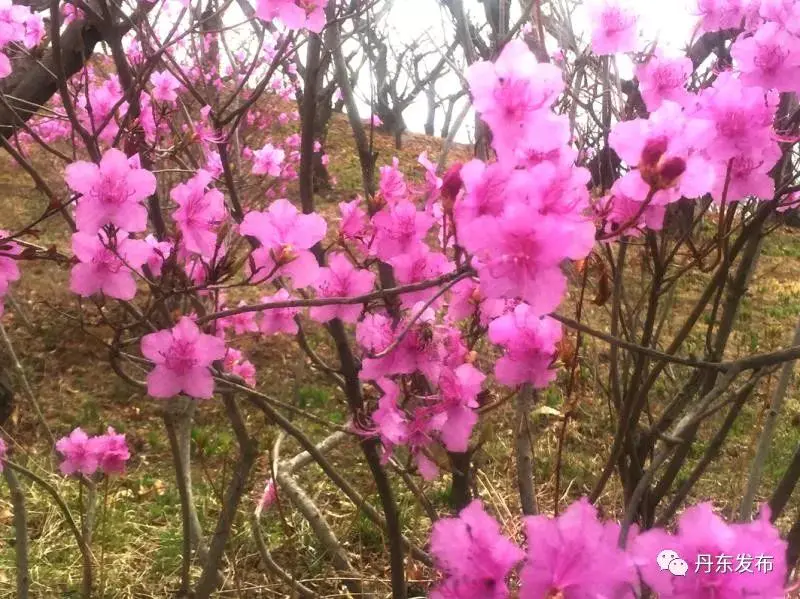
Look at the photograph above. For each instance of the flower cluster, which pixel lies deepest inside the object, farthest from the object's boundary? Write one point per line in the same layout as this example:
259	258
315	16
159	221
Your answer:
295	14
19	26
85	455
719	140
578	555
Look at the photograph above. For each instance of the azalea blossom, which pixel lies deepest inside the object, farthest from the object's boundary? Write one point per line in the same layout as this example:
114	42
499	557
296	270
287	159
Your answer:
107	265
575	555
769	59
9	271
701	531
614	26
392	183
182	356
80	454
399	229
112	450
741	117
268	497
530	342
236	364
664	78
295	14
669	150
278	320
165	86
458	395
242	323
199	212
286	235
507	93
160	251
112	193
341	279
268	160
473	554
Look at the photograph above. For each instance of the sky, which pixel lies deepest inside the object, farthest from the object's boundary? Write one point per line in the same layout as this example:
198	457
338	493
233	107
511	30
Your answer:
670	21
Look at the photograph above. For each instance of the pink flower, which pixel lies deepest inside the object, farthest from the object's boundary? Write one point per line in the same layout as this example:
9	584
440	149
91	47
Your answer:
458	393
199	213
519	256
34	30
3	453
432	182
748	176
486	187
742	118
664	78
392	183
112	193
295	14
241	323
235	363
5	66
107	265
529	341
165	86
473	554
769	59
9	271
278	320
466	300
354	218
667	149
614	26
725	14
782	12
546	141
619	208
268	497
268	160
160	251
112	450
508	92
399	228
702	532
417	266
79	453
182	356
392	425
421	349
341	279
575	555
285	236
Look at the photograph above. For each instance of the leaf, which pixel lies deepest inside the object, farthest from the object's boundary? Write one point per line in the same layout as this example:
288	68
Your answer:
603	289
565	351
547	411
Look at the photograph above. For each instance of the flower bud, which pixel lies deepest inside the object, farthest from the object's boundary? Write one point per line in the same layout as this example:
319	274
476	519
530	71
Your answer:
653	150
671	169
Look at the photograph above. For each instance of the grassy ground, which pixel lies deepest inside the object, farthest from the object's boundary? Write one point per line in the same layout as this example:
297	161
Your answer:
139	526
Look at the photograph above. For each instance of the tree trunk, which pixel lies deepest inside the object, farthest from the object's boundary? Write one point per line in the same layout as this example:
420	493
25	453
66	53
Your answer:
430	120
